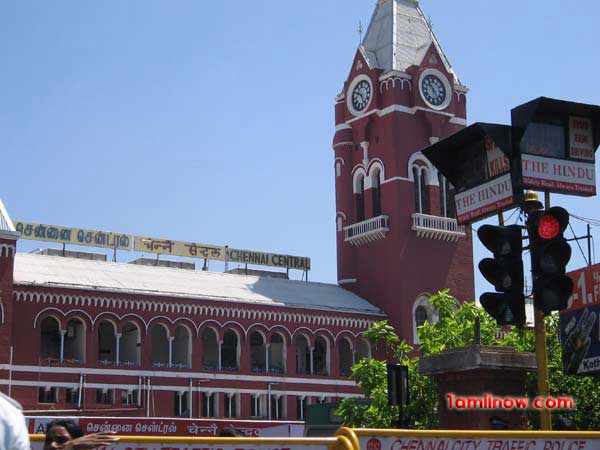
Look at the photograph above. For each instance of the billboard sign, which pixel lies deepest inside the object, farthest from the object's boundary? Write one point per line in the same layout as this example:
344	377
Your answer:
219	253
580	324
73	236
477	162
557	141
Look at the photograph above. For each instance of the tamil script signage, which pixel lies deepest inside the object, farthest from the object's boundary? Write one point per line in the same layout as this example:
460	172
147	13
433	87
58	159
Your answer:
219	253
484	199
476	443
579	324
121	241
142	426
558	175
73	236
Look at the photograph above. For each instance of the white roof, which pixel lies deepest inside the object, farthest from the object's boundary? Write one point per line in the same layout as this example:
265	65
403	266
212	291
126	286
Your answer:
398	37
57	271
5	222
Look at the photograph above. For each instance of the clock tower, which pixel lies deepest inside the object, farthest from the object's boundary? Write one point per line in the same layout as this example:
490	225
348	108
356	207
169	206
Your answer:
398	241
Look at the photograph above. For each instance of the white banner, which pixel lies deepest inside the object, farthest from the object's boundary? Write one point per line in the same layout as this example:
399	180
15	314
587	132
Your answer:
475	443
484	199
560	175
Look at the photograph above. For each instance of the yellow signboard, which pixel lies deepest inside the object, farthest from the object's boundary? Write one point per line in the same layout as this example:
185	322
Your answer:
178	248
73	236
219	253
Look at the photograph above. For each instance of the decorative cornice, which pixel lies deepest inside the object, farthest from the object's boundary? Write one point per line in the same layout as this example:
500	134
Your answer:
110	303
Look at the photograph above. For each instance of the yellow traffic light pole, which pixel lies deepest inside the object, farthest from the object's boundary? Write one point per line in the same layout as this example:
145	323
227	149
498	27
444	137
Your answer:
541	355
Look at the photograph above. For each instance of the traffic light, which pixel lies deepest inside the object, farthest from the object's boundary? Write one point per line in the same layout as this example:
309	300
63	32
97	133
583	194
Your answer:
505	272
550	253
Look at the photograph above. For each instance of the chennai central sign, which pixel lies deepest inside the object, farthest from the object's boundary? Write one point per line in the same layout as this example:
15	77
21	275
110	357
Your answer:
122	241
219	253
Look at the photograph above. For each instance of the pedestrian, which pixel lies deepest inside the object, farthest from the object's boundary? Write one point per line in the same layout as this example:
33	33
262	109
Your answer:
68	435
13	431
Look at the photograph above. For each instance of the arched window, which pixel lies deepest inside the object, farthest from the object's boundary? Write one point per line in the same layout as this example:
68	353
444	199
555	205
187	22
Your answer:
182	354
277	354
421	191
75	341
107	343
130	345
420	316
363	349
302	355
210	350
320	357
229	351
422	311
160	346
258	354
50	338
360	198
446	197
346	358
376	192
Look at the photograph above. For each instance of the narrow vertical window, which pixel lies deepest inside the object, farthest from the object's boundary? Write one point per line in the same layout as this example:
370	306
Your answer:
446	197
417	189
424	192
376	193
360	200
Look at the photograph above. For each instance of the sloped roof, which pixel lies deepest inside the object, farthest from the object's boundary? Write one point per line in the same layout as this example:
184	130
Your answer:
6	225
57	271
398	37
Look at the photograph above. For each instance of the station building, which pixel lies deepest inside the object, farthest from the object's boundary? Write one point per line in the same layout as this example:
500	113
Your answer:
86	336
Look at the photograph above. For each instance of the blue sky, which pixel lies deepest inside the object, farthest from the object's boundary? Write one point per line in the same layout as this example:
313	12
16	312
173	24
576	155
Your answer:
212	121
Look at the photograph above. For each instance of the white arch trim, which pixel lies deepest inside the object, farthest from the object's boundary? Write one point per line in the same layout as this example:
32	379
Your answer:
375	165
358	173
432	315
431	171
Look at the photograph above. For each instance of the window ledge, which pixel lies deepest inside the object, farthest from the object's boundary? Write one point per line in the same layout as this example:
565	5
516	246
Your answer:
436	227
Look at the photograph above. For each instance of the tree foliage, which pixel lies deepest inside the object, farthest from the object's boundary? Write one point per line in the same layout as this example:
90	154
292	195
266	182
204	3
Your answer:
454	329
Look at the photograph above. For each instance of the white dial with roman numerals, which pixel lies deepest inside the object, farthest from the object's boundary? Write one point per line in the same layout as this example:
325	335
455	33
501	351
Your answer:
359	95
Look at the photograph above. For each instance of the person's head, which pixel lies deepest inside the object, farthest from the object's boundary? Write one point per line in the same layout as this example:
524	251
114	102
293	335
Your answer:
564	423
60	431
230	432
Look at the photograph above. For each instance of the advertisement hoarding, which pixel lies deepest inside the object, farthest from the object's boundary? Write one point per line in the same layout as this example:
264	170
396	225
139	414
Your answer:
580	324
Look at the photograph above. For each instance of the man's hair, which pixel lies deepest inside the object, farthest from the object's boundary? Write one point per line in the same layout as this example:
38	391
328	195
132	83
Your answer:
73	428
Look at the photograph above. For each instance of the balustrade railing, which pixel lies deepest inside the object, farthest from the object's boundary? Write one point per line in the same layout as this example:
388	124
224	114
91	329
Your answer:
436	227
366	231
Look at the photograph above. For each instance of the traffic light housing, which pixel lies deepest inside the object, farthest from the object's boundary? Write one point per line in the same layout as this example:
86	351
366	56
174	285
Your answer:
505	272
550	253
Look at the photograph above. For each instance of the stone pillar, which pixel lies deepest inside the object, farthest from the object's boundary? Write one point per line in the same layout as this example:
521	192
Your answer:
474	371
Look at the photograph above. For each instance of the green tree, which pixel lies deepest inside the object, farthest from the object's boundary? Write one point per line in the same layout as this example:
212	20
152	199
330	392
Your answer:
455	329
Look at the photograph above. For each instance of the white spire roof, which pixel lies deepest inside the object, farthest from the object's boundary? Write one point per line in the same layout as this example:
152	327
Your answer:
399	36
5	222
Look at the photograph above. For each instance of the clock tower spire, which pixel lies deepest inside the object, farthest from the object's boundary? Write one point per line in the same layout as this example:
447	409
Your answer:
397	239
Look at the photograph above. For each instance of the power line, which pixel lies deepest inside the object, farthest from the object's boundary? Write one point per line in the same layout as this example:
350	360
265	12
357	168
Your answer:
580	249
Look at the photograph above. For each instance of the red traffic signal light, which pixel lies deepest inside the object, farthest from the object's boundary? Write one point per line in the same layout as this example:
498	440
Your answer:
550	253
548	227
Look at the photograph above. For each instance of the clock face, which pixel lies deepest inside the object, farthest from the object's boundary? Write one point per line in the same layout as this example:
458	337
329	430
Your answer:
433	90
361	95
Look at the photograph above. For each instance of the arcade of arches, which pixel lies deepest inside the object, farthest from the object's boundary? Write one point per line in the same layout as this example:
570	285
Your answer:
177	347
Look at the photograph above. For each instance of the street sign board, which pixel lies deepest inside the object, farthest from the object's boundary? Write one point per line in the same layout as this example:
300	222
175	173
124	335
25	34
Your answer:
477	161
580	324
557	141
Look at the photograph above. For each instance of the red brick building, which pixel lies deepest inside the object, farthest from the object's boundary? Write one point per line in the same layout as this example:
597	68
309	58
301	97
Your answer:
94	337
397	239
